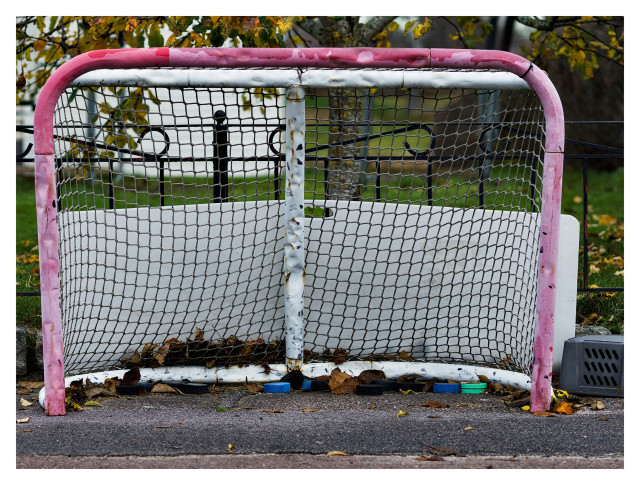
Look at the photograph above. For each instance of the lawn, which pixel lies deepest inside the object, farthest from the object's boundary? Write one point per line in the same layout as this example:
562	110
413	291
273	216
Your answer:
605	225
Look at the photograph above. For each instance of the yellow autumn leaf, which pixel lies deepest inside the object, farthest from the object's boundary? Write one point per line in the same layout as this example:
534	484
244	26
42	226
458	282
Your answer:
337	453
23	420
408	25
25	403
577	199
606	219
563	408
93	403
231	447
401	413
468	428
525	408
408	391
421	29
593	268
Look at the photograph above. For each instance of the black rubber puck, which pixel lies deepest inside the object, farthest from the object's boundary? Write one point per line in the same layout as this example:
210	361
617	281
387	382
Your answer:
319	386
192	388
369	390
295	378
387	385
141	387
409	386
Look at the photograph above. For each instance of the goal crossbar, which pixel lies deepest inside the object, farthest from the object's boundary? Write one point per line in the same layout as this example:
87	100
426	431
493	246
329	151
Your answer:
299	69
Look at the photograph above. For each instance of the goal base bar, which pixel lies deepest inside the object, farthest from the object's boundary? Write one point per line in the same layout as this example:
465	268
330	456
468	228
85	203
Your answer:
257	373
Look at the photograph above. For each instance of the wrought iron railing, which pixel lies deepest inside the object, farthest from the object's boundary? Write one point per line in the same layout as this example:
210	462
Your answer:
221	160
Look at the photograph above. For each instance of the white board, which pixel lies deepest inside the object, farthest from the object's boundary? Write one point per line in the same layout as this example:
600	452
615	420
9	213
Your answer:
380	278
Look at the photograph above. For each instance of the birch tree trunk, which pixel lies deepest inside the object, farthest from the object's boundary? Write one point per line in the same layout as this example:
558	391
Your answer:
346	117
347	106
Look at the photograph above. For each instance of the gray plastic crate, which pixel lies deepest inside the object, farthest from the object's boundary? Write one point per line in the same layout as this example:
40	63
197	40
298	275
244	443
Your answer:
593	365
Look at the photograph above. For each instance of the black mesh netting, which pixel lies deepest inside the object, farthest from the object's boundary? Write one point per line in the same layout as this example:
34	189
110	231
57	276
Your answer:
421	240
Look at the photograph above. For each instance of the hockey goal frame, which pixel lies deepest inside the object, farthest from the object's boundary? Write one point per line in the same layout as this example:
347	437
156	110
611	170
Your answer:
325	58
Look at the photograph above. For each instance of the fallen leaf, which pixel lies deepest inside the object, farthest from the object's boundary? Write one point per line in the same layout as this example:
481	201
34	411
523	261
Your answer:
23	420
309	410
484	379
430	458
577	199
563	408
25	403
99	391
338	378
231	447
253	387
438	451
111	385
29	387
606	219
131	377
164	427
495	387
93	403
337	453
401	413
434	404
164	388
543	413
373	406
368	376
408	391
348	386
23	431
70	405
468	428
598	405
526	408
275	411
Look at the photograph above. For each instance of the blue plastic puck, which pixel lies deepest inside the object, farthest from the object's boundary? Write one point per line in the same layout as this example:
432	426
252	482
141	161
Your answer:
276	387
446	387
306	385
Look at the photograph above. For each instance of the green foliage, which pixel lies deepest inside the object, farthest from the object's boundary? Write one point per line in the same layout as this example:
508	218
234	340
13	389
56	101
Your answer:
582	41
471	31
49	44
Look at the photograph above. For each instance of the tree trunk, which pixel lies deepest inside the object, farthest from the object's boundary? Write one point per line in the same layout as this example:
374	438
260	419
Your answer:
346	115
347	106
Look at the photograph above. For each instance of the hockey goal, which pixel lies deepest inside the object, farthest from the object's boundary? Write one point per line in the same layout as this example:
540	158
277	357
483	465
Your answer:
231	214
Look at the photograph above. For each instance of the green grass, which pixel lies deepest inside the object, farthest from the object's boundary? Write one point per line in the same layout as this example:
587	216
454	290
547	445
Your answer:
605	234
27	269
606	252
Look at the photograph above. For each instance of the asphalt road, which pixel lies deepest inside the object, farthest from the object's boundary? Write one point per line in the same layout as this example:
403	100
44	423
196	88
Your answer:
197	430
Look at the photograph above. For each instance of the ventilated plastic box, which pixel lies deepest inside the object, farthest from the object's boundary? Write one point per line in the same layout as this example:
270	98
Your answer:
593	365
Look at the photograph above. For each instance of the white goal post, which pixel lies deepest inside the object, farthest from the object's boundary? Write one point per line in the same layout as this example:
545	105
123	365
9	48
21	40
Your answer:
191	216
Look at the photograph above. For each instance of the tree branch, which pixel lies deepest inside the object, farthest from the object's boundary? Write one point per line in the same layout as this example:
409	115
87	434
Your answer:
312	27
375	26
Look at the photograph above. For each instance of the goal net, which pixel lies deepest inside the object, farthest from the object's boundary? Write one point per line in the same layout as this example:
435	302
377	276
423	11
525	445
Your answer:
237	216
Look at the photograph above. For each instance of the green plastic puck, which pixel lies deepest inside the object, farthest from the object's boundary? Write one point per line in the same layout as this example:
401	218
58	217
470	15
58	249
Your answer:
473	388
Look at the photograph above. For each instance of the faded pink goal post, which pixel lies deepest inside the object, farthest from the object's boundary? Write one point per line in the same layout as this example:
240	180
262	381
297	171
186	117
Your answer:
232	214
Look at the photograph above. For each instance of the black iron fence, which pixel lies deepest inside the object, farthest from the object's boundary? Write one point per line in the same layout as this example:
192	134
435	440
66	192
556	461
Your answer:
588	154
